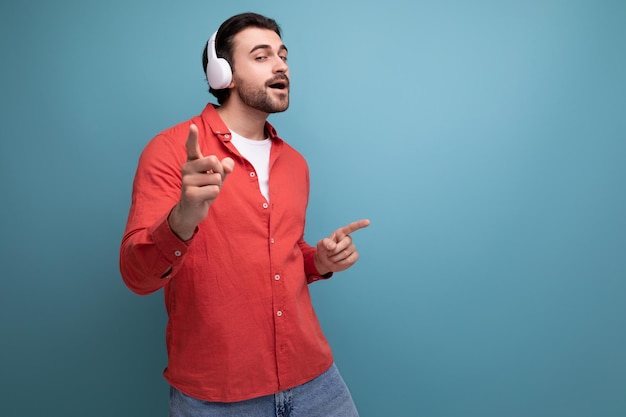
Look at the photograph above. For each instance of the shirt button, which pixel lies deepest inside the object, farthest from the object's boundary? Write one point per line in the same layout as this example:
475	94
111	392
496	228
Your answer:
177	253
227	136
252	174
277	277
272	240
279	313
265	205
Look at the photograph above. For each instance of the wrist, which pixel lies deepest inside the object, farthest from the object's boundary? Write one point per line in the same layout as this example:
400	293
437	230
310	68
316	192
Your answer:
321	268
179	227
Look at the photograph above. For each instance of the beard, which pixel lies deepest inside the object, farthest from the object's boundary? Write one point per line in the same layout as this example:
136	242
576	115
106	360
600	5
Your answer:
258	97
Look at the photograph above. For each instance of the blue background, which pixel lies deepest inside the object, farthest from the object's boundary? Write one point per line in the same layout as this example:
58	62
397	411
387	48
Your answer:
485	140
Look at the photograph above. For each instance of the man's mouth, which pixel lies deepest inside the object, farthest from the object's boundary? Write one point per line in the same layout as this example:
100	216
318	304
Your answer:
280	84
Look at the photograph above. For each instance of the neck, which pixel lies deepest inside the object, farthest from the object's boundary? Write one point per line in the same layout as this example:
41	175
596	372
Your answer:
246	121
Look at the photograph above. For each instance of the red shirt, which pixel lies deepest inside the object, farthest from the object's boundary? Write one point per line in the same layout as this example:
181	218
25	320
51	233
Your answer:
240	319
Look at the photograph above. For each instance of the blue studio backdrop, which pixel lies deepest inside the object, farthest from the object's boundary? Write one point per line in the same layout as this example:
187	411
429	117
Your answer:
485	140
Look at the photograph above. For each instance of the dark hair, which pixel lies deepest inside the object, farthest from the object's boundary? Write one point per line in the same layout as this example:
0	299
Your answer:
224	42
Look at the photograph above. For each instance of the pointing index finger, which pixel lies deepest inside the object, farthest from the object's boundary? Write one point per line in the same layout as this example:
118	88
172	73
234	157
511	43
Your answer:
352	227
193	148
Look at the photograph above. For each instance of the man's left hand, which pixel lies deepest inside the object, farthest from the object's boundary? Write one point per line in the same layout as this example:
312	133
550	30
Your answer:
338	252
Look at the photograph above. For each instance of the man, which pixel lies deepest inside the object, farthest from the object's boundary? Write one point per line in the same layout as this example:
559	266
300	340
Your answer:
217	220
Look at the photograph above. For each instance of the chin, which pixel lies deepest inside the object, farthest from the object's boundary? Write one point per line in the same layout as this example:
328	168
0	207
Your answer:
280	106
280	109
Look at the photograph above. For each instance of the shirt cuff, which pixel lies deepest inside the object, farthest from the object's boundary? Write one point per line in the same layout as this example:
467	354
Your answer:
312	273
173	250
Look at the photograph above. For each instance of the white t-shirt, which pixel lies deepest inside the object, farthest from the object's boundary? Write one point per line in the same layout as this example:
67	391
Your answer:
257	152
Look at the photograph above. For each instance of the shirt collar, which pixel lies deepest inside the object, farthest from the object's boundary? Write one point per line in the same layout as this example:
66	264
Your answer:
215	123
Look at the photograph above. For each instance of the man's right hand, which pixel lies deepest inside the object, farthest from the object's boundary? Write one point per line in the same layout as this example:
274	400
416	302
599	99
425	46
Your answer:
203	177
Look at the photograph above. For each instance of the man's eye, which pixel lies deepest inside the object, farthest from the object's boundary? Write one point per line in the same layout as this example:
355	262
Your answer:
260	58
284	58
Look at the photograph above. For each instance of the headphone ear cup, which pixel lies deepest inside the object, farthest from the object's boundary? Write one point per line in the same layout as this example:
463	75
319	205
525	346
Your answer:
218	71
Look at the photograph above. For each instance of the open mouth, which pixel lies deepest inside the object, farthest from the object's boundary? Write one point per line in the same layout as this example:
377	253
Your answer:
279	85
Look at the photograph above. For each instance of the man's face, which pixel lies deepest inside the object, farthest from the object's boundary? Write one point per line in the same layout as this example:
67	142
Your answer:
260	73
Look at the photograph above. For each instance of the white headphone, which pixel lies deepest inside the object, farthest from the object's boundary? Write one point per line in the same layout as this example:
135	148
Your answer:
218	71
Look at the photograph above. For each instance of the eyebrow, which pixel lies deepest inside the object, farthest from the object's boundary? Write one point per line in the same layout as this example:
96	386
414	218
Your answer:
265	46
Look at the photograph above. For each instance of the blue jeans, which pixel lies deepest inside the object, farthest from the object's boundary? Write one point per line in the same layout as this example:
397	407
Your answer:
325	396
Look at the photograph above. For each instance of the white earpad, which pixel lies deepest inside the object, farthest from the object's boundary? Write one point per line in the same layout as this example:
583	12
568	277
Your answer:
218	71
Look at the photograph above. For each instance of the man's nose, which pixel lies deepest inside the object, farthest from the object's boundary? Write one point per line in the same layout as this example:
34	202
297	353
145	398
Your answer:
281	65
